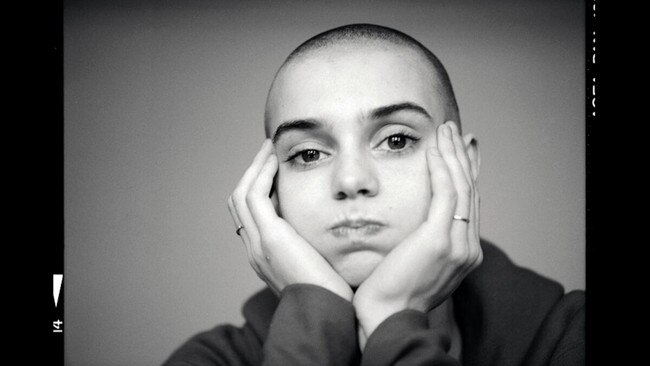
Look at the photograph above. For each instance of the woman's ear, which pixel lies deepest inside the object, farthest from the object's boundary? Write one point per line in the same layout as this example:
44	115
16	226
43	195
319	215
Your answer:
471	144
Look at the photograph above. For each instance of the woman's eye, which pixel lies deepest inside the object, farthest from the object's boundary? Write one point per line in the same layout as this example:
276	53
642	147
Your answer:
310	155
396	142
307	157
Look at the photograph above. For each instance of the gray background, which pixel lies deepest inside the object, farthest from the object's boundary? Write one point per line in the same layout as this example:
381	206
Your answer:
163	113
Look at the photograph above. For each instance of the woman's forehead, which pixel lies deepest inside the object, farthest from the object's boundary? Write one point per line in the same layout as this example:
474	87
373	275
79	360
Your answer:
347	82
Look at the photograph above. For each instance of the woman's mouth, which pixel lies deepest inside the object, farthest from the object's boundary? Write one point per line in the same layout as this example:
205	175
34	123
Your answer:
358	227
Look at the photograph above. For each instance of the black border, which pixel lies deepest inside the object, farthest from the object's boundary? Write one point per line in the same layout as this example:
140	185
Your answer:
50	175
51	152
612	329
592	114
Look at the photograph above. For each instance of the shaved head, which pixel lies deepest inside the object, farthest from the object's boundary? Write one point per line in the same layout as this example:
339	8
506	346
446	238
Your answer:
353	36
351	113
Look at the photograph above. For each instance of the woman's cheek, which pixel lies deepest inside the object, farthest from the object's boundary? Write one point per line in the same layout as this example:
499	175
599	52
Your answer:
299	197
407	185
406	175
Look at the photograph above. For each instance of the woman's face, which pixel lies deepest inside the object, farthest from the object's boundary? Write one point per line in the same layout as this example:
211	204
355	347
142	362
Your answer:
352	127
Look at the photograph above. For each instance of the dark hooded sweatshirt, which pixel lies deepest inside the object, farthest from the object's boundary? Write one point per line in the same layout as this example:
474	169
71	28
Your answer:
507	315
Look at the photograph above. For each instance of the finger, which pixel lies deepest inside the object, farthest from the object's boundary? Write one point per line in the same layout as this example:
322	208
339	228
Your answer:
473	246
443	202
477	212
461	186
459	228
235	218
274	198
474	255
253	170
474	156
475	161
474	239
478	254
461	152
239	195
250	230
259	203
243	234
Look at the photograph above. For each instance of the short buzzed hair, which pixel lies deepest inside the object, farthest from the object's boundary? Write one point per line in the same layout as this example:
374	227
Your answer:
352	33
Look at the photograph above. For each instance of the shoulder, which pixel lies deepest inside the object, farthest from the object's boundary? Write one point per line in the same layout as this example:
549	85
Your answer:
516	311
502	287
560	339
222	345
227	344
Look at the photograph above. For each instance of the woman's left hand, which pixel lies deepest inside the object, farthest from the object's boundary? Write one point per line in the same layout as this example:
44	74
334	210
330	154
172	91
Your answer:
427	266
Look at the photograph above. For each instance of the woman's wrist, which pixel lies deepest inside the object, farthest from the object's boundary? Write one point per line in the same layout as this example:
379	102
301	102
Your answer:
341	289
371	313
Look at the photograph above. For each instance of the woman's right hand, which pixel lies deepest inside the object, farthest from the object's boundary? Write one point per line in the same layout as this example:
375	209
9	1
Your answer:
277	253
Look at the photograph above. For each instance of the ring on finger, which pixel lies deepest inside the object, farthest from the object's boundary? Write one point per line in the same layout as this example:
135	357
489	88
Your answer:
458	217
239	228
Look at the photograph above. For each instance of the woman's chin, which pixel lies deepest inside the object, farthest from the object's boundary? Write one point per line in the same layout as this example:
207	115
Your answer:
356	267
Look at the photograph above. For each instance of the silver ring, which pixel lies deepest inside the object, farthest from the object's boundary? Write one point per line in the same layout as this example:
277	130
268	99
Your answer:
239	229
458	217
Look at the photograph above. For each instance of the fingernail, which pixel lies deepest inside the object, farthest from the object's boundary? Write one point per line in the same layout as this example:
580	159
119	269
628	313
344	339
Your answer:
454	127
446	131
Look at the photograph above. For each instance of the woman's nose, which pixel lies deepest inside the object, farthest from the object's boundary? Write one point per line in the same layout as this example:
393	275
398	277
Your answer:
354	176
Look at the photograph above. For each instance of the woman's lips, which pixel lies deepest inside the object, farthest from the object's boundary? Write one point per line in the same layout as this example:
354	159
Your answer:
349	228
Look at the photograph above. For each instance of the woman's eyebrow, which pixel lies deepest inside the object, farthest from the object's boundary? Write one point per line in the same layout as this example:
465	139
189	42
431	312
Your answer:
313	124
393	108
298	124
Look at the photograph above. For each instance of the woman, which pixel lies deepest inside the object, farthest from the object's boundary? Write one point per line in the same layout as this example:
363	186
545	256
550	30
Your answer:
361	213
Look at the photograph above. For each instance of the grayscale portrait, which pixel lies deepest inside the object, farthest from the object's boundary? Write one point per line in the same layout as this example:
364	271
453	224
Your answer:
324	183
